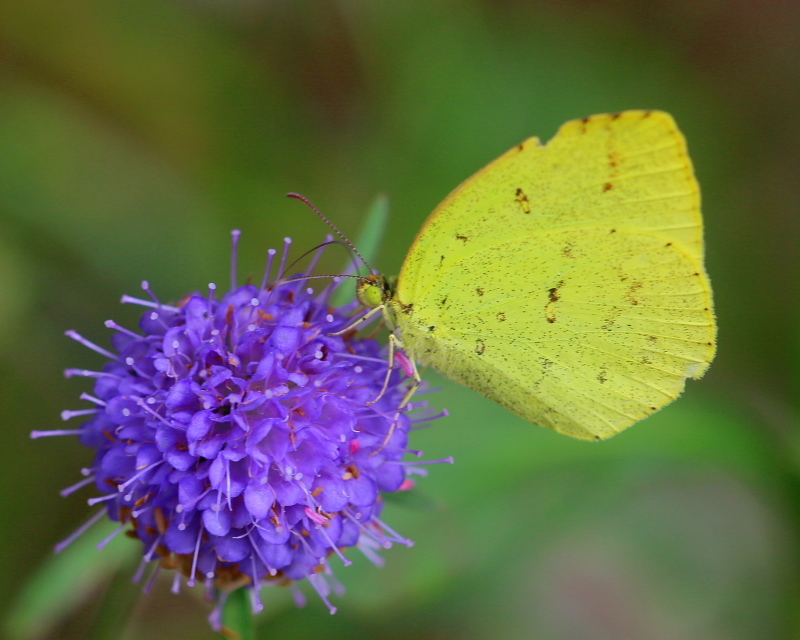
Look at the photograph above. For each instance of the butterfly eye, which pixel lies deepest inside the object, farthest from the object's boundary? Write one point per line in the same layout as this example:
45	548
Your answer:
370	293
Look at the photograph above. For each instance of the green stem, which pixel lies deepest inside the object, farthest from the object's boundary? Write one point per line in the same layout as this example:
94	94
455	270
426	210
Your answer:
237	617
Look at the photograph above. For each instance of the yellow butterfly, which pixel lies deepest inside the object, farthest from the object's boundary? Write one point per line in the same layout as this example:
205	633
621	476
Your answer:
564	281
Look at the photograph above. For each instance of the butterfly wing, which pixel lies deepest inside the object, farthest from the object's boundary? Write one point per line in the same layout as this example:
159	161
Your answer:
566	281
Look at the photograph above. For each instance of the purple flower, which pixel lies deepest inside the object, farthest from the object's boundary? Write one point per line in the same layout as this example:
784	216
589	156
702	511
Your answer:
237	438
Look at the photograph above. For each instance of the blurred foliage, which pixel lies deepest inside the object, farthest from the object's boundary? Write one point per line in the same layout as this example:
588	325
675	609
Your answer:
134	136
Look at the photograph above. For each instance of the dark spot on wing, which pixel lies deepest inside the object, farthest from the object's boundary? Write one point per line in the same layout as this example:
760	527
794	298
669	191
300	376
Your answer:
441	259
553	296
607	187
522	200
480	346
479	291
652	339
614	116
630	295
645	360
610	322
520	146
462	238
647	114
601	377
669	244
444	301
431	328
566	250
501	317
612	231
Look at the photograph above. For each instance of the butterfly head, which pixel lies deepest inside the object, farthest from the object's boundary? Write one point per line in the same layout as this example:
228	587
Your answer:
375	290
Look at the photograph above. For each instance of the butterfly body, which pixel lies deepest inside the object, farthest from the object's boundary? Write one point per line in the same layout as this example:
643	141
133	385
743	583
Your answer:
566	281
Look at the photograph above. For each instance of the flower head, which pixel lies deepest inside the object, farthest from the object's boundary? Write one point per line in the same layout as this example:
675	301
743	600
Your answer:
236	436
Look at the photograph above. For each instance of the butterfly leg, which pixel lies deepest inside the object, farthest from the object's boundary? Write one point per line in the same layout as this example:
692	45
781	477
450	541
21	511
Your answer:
409	363
394	343
363	318
406	363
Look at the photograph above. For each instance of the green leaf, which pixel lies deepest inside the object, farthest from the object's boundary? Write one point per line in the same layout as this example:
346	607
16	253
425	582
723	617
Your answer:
237	616
65	581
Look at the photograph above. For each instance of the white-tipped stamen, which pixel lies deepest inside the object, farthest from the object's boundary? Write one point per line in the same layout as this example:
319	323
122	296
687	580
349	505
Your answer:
367	546
91	345
68	415
415	463
85	373
135	477
146	287
126	299
333	546
151	581
111	324
176	583
190	581
79	531
104	542
272	571
35	435
153	548
287	242
215	617
356	519
255	594
270	257
394	535
137	576
321	587
235	235
442	414
78	485
299	596
97	401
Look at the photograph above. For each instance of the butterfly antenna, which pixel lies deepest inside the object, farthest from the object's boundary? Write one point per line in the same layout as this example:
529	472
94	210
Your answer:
322	216
322	245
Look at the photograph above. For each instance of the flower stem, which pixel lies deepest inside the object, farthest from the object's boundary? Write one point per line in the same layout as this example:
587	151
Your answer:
237	617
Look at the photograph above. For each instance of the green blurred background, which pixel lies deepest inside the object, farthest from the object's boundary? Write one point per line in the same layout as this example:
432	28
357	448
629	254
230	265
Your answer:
135	135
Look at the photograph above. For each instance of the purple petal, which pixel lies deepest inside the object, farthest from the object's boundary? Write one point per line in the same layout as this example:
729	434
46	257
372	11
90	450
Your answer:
217	521
259	498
